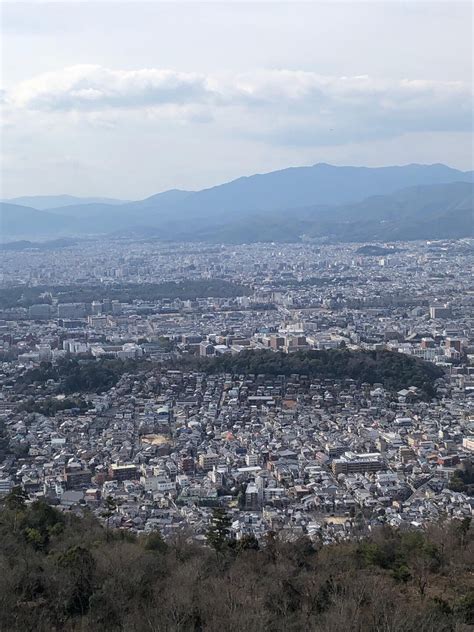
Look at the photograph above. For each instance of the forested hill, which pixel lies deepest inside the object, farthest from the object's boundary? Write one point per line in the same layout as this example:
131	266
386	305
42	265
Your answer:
394	370
23	296
63	572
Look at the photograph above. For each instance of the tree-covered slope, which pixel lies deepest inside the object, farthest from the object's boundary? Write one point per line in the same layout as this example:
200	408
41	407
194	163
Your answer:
394	370
63	572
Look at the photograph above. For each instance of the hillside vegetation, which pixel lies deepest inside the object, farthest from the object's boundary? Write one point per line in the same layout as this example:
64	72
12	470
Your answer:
23	296
394	370
62	572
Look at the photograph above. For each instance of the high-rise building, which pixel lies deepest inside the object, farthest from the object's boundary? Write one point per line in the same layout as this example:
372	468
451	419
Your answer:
252	502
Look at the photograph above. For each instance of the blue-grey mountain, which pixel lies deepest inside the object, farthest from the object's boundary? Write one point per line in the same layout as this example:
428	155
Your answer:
50	202
322	201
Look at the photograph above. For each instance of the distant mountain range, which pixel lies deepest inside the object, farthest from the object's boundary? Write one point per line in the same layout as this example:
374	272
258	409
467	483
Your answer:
50	202
318	202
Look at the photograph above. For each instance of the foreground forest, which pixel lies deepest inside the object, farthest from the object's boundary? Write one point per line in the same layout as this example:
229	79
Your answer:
59	571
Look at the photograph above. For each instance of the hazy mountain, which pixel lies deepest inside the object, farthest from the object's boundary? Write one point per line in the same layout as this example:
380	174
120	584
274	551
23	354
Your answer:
295	187
51	202
319	201
414	201
173	196
24	221
319	184
421	212
441	211
99	218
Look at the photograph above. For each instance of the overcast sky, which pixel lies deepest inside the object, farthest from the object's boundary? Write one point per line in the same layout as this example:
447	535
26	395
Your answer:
128	99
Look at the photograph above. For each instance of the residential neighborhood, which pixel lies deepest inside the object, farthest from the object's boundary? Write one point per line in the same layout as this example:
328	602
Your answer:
165	443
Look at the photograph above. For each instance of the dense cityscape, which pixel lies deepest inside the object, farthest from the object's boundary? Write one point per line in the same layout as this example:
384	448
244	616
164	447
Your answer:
137	385
236	316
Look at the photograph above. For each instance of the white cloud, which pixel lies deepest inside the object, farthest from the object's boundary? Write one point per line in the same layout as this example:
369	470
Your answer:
92	87
286	107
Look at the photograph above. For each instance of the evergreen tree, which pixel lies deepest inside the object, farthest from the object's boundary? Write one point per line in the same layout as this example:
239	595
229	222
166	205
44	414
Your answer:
16	499
219	531
109	508
15	502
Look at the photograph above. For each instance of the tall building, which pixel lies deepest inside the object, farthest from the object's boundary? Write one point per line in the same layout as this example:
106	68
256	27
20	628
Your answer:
76	477
441	311
252	502
207	461
454	343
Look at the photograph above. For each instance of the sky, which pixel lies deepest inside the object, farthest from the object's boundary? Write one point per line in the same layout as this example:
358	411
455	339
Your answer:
126	99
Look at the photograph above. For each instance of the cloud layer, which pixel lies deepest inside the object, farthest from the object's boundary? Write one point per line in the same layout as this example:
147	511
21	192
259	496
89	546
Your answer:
91	87
287	107
95	87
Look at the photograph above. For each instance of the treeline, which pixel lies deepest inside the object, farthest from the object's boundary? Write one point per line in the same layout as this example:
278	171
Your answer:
4	441
50	244
321	281
22	296
463	481
60	572
79	376
395	371
49	406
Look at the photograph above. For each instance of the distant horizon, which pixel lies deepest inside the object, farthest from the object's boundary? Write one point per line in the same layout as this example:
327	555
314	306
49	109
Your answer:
171	95
111	196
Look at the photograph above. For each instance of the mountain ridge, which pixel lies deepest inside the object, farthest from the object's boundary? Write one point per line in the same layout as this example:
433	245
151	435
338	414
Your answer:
52	202
295	202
